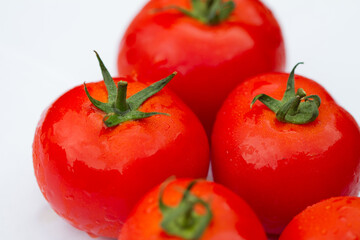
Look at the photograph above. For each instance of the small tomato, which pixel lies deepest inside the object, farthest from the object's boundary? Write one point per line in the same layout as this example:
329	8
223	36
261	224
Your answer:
192	210
331	219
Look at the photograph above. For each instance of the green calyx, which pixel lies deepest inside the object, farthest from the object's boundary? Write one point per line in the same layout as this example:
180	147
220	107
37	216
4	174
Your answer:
294	107
210	12
182	220
118	109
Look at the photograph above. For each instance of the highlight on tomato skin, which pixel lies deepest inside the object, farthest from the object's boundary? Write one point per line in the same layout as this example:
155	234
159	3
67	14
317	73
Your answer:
91	174
278	167
231	217
211	58
334	218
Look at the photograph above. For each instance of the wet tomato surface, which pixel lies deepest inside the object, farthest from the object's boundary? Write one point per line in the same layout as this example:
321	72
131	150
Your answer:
211	58
231	218
331	219
280	168
92	175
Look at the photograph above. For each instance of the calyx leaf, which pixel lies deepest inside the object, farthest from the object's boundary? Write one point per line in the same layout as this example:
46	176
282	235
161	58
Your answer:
210	12
294	107
182	220
118	109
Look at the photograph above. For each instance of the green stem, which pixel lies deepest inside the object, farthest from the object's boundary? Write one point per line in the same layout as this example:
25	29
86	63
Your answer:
182	220
118	109
120	102
210	12
294	107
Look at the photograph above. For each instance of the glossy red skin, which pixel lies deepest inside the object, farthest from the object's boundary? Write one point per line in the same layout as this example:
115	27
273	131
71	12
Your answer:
211	60
93	175
331	219
280	168
233	219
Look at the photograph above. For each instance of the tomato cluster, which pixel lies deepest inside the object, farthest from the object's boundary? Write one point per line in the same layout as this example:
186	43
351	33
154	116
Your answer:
102	150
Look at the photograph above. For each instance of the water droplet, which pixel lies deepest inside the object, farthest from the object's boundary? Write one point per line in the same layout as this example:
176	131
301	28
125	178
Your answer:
342	219
343	209
69	197
49	194
351	236
110	218
148	210
151	207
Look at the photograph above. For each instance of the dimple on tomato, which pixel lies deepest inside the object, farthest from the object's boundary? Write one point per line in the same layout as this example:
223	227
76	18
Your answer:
95	156
213	44
281	156
334	218
192	209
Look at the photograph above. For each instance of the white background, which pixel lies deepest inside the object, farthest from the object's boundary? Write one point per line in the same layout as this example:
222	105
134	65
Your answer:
46	48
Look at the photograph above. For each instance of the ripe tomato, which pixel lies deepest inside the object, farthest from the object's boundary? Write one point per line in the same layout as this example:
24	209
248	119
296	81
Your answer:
278	167
334	218
211	55
92	175
205	210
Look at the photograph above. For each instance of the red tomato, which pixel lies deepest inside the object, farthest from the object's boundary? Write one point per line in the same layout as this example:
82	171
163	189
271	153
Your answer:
227	215
280	168
332	219
211	58
92	175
